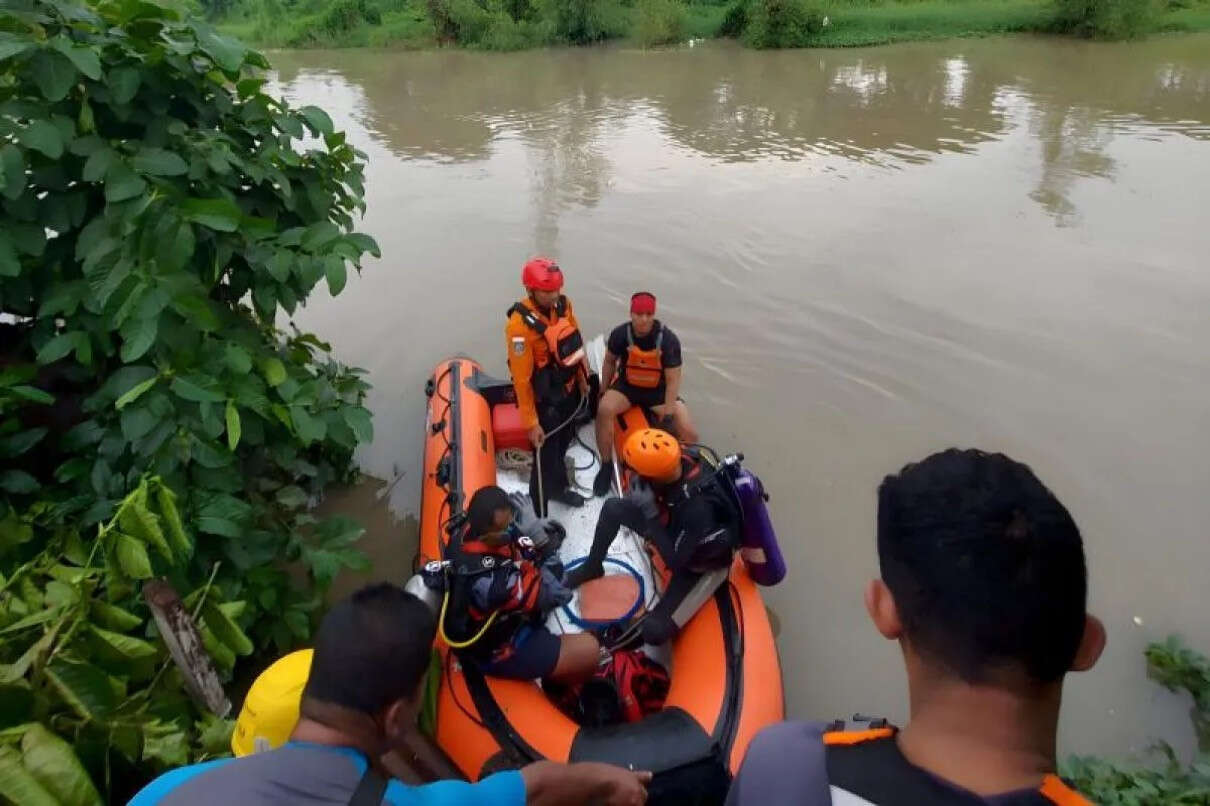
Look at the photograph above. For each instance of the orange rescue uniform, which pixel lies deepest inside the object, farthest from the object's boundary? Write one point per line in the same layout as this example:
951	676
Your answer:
529	352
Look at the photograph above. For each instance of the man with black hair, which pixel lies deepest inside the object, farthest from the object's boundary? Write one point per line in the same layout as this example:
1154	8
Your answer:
642	368
984	586
359	703
502	586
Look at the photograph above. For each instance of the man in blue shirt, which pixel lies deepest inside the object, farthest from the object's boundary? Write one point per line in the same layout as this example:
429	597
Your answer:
360	701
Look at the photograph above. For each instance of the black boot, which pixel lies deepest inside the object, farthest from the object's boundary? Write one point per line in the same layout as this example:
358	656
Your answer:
582	573
602	484
569	498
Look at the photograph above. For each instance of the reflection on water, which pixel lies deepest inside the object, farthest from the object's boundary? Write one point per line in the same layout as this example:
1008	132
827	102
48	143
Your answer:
888	106
868	254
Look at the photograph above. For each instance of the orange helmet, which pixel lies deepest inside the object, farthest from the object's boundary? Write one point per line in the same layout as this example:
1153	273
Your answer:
654	454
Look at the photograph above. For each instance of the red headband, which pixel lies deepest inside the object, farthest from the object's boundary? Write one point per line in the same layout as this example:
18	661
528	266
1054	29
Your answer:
642	302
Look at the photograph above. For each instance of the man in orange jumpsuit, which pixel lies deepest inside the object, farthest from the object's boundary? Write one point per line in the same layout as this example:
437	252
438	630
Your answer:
546	360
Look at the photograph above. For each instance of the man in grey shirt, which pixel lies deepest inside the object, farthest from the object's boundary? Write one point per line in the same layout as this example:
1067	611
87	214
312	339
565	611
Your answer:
360	701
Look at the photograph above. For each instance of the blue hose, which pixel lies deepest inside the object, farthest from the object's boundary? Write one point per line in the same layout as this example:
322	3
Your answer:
590	624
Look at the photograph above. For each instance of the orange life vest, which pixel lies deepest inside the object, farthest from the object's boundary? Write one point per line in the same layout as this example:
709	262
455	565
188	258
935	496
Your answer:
644	368
562	340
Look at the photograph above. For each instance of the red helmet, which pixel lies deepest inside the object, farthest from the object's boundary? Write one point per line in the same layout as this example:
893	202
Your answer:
542	274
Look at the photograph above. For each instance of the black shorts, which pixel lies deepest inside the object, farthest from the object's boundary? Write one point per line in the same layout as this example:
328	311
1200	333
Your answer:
532	654
643	398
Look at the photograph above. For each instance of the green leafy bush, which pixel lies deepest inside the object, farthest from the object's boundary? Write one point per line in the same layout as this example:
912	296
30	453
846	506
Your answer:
660	22
735	20
1106	19
781	23
1164	778
579	22
345	15
159	213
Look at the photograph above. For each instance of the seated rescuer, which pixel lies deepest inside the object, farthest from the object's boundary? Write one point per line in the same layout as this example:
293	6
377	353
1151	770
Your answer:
502	576
360	700
642	368
983	584
679	503
546	360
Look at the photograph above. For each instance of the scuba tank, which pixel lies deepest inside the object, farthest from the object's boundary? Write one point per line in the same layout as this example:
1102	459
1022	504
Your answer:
760	551
428	585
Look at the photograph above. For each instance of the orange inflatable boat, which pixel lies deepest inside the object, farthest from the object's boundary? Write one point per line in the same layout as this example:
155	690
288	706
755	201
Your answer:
724	668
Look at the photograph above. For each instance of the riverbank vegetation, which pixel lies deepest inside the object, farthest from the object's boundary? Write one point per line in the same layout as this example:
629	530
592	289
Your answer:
159	419
1161	777
519	24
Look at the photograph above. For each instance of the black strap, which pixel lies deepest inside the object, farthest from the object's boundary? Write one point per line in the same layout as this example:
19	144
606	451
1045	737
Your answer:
527	316
370	788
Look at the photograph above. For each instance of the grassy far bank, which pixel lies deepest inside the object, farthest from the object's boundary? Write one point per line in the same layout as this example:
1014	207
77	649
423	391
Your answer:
521	24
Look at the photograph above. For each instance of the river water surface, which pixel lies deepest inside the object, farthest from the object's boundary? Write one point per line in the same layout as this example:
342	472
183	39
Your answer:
869	255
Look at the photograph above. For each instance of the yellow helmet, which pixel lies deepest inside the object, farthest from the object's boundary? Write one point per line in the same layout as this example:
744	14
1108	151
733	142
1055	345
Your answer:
270	710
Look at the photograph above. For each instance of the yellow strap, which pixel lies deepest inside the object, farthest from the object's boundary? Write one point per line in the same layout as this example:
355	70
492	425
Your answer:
461	644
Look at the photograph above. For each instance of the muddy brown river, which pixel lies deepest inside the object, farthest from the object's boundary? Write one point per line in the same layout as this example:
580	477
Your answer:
869	255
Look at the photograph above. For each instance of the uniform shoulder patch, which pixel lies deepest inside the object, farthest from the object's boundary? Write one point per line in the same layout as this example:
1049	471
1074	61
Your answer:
518	343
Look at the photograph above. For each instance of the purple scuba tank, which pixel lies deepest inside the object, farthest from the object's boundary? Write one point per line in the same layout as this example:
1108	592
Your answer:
760	550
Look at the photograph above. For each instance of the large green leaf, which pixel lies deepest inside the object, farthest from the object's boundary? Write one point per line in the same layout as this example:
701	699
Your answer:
127	646
234	430
159	162
360	421
173	252
137	422
132	557
58	347
364	243
114	617
227	53
291	496
33	395
54	763
53	72
42	135
134	393
32	620
237	359
195	389
27	238
166	502
18	785
123	83
221	215
274	371
225	629
308	427
336	274
12	161
11	45
167	745
137	337
10	264
122	183
83	57
319	235
22	441
318	119
17	482
84	687
140	522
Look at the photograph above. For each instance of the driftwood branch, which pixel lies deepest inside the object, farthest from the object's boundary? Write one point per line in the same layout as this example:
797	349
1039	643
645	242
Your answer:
184	644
